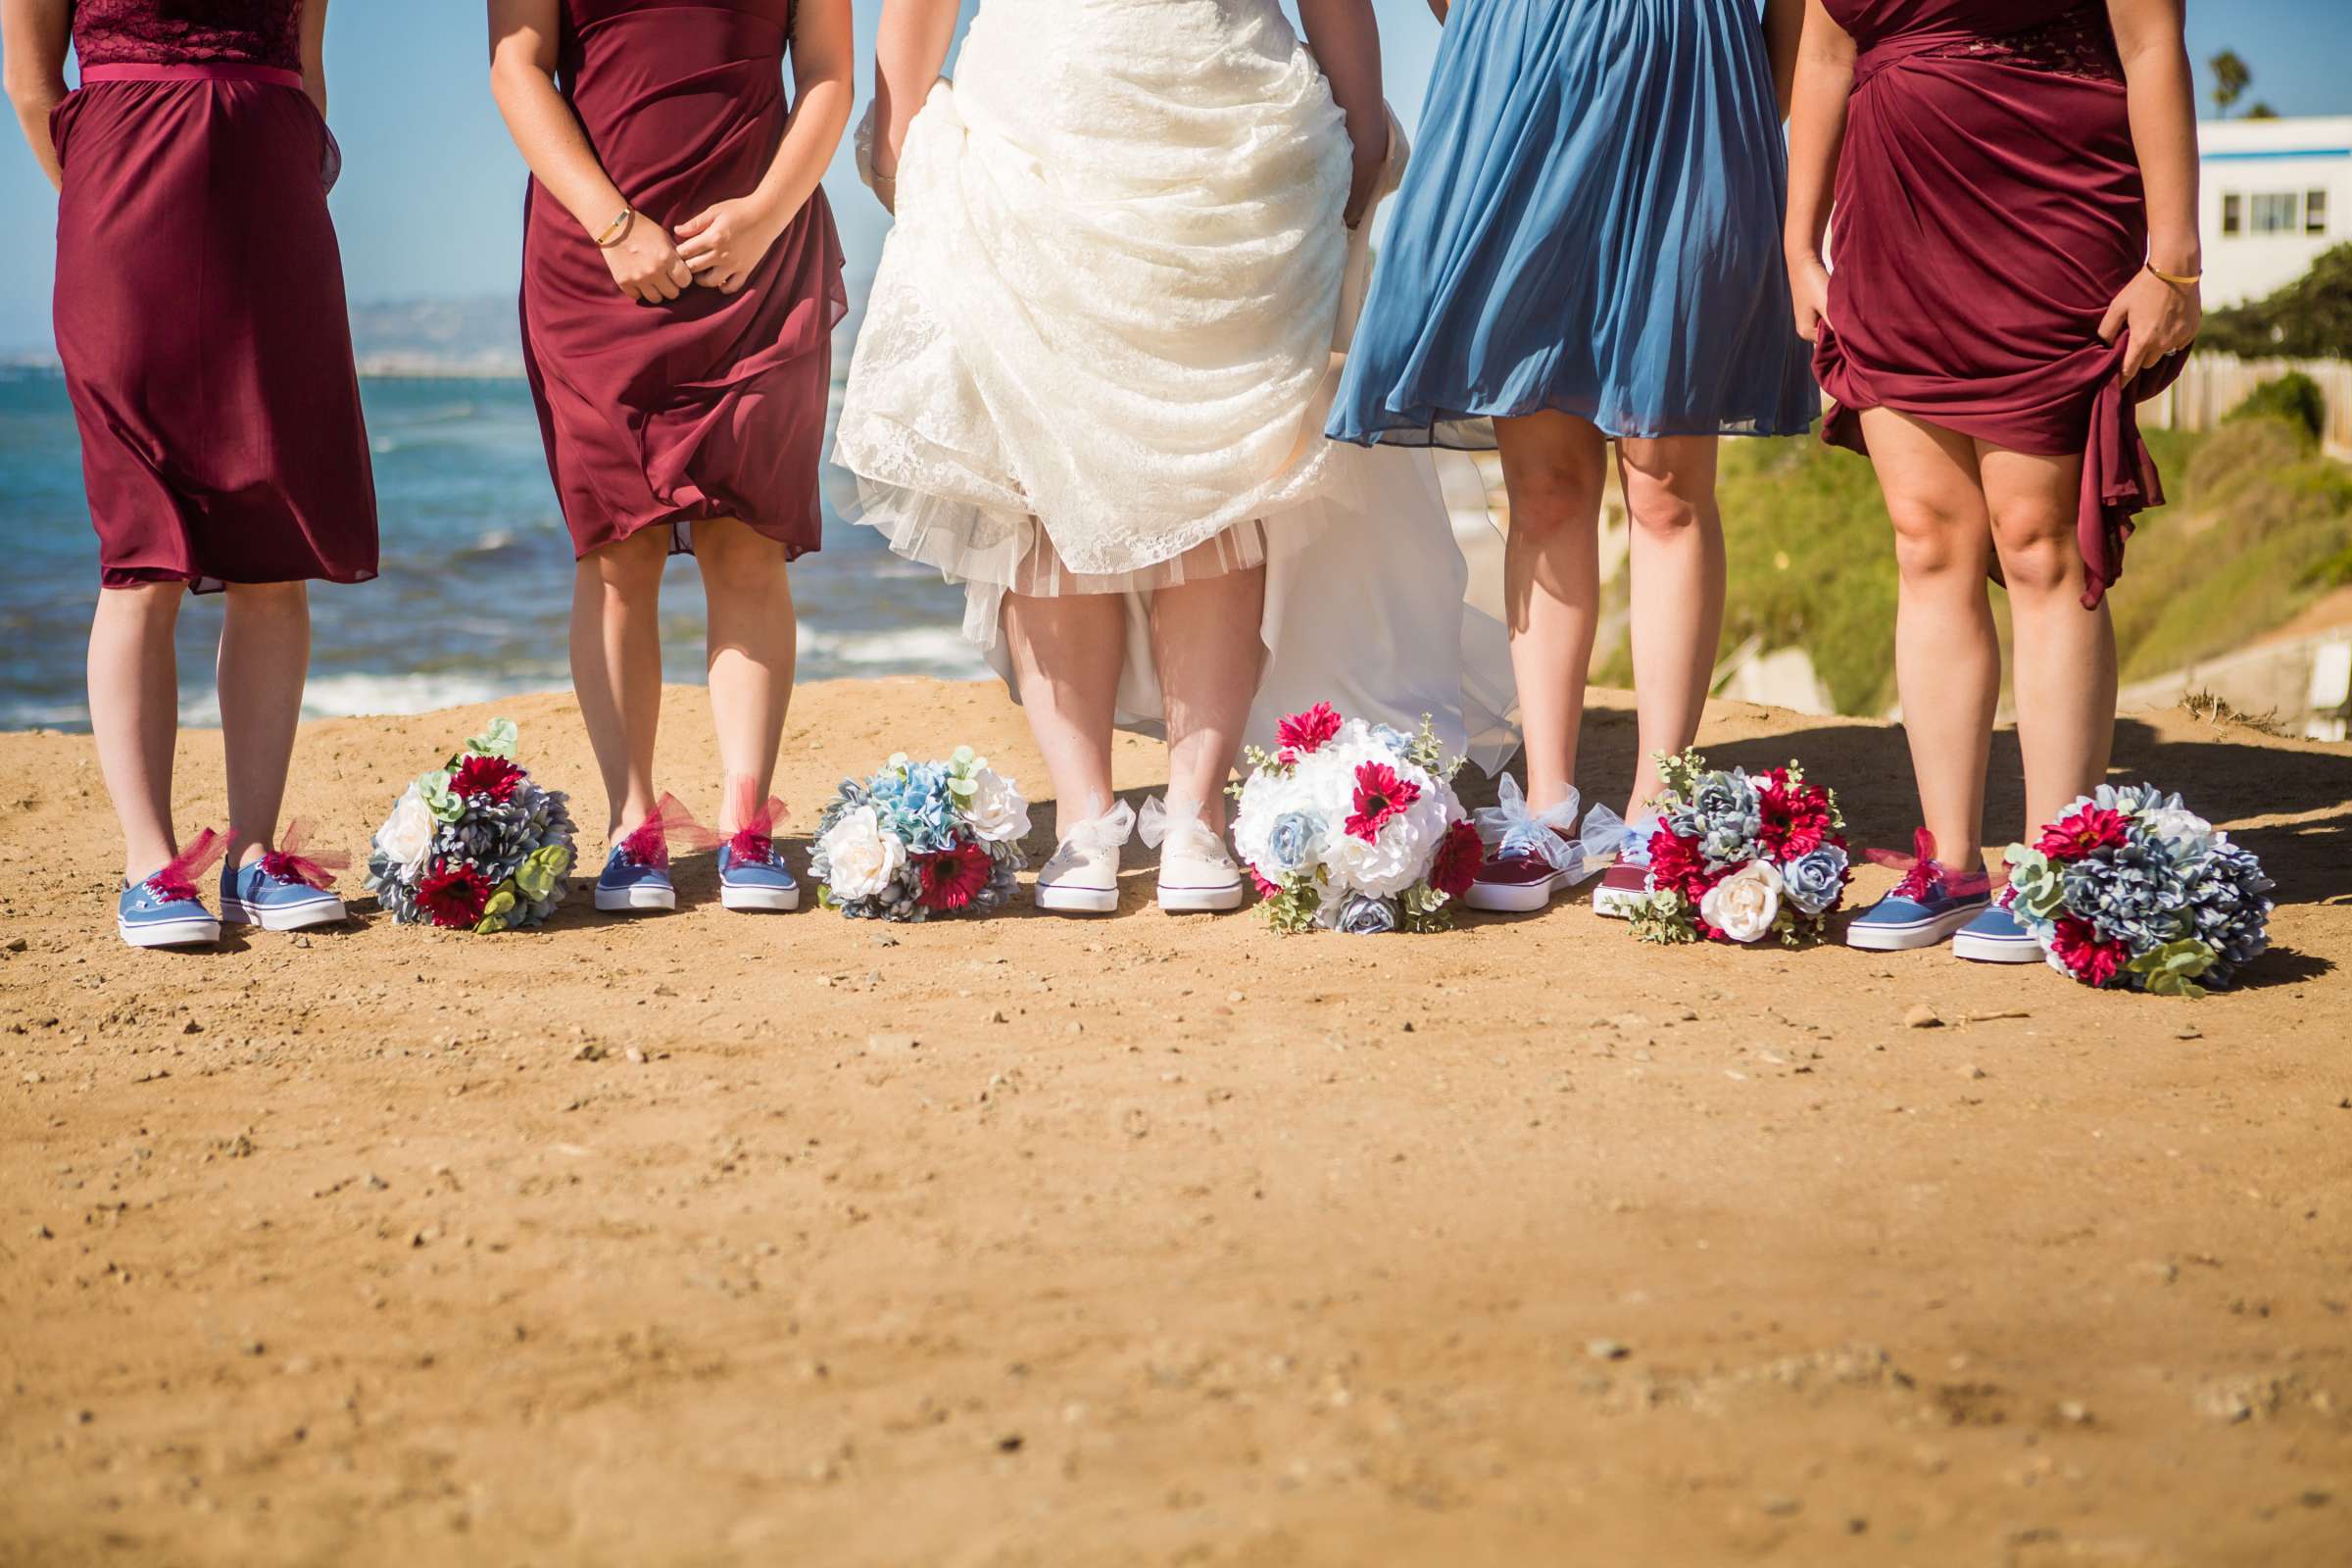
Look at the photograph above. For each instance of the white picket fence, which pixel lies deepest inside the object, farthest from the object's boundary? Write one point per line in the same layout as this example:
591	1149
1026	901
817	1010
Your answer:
2212	384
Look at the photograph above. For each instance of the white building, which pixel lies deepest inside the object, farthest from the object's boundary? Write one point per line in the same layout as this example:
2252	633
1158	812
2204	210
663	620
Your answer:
2275	193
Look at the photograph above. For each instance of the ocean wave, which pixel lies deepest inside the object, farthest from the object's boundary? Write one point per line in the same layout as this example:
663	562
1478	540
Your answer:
939	651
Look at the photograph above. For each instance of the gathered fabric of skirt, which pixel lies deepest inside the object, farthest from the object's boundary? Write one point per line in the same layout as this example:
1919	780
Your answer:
1591	226
1101	322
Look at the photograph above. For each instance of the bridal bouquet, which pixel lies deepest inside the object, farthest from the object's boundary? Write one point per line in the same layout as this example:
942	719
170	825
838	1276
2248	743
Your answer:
1738	858
2131	890
920	839
1354	827
474	845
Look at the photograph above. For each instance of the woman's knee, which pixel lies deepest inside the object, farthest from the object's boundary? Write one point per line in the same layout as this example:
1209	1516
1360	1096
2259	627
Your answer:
1552	499
1936	536
2036	544
1668	486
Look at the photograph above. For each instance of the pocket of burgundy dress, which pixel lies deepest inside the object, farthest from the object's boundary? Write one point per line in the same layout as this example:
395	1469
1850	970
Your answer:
60	122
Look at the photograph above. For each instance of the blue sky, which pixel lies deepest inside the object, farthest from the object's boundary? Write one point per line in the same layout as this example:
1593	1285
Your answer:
431	197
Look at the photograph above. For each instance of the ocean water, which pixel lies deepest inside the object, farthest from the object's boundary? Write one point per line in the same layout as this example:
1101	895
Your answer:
475	590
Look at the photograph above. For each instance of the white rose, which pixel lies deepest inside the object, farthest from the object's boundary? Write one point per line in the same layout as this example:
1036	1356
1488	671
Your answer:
998	813
407	836
1743	904
862	860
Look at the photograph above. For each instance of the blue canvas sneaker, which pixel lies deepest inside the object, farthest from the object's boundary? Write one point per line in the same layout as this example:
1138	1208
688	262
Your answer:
752	875
629	883
277	892
1926	907
162	912
1995	937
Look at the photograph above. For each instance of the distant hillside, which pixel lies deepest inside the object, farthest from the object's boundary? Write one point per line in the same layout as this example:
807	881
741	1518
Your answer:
483	336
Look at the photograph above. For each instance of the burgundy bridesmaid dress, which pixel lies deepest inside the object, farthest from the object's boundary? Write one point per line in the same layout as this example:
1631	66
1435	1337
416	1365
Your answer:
200	312
1988	210
713	405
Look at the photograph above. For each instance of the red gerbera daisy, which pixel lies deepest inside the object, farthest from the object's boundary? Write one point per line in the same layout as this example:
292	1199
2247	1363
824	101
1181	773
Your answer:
454	895
2094	827
1455	867
490	777
1306	732
953	878
2085	957
1796	816
1675	864
1380	796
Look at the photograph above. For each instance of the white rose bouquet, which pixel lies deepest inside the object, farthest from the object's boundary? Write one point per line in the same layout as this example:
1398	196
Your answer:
920	839
1354	827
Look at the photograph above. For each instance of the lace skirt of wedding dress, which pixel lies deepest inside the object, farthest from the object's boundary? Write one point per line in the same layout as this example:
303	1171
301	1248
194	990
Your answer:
1100	350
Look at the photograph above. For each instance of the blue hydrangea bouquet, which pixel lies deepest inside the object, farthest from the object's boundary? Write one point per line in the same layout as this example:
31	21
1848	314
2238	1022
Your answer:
1739	857
920	839
2130	890
474	845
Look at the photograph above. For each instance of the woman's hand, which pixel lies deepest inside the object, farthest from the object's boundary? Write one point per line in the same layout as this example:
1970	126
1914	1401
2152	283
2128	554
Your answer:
646	265
2162	317
1809	292
725	241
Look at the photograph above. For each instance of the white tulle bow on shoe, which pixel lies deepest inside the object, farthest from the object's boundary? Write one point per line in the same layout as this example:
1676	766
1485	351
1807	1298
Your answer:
1196	872
1082	876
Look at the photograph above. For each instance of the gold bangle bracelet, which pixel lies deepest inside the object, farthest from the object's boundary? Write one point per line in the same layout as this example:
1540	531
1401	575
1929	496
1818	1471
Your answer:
616	230
2177	279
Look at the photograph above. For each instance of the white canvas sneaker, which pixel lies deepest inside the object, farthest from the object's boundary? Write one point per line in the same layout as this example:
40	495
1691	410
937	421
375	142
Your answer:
1083	875
1197	874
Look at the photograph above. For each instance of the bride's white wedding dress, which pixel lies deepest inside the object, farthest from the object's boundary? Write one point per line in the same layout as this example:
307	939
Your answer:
1100	346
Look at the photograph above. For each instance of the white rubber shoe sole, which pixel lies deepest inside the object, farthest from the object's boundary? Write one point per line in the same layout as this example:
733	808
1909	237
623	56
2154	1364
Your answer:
325	911
629	900
1875	937
1068	900
193	932
1997	950
1201	901
758	898
1515	897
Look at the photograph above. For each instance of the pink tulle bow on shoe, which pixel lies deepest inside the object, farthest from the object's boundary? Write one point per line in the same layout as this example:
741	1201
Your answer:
649	842
1922	872
754	841
288	864
176	881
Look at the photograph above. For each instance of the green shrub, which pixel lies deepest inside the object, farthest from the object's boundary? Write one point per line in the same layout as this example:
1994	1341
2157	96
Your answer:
2293	397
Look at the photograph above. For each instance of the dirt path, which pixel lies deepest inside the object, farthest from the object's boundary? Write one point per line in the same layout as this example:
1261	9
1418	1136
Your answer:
789	1240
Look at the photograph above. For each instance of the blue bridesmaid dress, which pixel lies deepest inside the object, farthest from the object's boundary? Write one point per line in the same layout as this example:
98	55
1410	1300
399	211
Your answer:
1592	225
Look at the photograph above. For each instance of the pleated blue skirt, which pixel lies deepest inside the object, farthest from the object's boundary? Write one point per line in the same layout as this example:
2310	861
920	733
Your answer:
1591	225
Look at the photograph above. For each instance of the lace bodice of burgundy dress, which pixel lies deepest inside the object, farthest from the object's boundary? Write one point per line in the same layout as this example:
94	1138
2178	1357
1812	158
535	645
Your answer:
253	32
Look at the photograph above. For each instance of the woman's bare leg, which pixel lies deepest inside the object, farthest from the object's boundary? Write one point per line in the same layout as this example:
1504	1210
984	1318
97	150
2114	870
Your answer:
752	644
2065	677
616	666
1676	568
1947	656
265	660
1554	466
1205	639
134	714
1066	652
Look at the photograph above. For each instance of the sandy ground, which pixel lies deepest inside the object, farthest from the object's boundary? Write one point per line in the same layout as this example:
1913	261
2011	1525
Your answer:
718	1237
